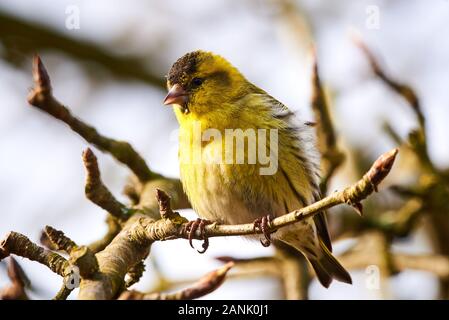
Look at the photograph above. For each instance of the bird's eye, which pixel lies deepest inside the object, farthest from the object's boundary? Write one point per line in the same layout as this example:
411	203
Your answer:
197	82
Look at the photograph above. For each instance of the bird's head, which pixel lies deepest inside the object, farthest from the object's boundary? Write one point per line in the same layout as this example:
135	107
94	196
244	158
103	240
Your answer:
201	82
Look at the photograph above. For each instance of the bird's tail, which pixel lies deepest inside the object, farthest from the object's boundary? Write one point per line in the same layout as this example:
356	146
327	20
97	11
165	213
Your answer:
304	239
327	267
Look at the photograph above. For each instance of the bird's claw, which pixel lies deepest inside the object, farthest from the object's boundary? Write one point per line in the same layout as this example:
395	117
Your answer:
190	229
263	225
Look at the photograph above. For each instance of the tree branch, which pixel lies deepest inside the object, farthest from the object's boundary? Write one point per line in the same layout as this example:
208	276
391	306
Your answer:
332	156
207	284
42	98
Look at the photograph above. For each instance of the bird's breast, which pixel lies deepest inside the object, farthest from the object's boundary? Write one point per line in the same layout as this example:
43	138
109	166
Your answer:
218	190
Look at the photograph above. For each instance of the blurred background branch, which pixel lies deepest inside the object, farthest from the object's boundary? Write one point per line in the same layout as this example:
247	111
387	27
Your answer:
22	39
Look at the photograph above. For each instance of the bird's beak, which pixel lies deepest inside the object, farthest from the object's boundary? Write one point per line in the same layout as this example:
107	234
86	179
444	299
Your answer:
176	95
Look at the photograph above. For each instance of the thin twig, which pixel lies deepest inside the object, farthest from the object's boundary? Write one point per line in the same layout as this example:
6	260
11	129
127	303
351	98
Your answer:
59	240
19	281
20	245
332	156
97	192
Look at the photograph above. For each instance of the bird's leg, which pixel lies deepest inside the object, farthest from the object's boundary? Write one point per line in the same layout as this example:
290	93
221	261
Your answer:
202	226
190	229
263	224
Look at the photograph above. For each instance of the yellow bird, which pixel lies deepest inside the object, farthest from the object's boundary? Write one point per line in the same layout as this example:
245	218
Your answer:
244	157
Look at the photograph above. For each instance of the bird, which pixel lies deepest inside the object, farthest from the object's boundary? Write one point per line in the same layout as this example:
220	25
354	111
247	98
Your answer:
211	98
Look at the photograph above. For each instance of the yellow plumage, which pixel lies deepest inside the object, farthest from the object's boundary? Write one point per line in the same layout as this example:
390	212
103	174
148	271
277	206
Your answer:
211	97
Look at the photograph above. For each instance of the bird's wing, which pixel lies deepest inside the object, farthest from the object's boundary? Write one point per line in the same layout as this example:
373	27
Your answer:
322	230
281	112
